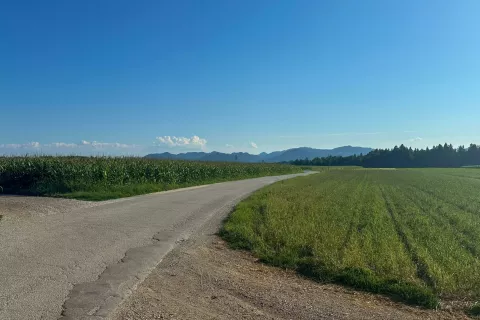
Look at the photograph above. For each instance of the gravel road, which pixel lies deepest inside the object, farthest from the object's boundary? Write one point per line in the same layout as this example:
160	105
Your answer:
79	260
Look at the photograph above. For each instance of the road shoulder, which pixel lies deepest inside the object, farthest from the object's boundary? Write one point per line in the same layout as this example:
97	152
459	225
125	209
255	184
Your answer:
204	279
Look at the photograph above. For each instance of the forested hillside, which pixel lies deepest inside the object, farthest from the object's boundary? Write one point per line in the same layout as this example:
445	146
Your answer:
441	156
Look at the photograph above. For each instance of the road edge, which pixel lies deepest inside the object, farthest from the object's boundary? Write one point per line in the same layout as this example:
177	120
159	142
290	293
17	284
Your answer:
98	299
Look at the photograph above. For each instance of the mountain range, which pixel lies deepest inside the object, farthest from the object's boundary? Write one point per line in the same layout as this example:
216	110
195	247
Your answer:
276	156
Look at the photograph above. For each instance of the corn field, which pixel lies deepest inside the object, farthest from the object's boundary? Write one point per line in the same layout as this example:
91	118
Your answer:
51	175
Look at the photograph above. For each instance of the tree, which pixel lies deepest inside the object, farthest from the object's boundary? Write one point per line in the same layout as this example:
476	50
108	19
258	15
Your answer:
402	157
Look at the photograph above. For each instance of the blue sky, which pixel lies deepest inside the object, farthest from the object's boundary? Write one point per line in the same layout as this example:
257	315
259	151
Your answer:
123	77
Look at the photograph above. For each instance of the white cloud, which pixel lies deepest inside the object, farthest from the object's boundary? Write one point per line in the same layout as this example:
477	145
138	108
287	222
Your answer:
10	146
195	140
94	144
173	141
165	140
415	139
20	146
228	145
97	144
64	148
61	145
253	145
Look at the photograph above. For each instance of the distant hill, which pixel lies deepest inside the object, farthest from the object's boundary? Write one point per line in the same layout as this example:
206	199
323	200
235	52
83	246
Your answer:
310	153
276	156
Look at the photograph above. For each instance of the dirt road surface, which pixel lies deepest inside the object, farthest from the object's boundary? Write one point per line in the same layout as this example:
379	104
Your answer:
202	279
79	260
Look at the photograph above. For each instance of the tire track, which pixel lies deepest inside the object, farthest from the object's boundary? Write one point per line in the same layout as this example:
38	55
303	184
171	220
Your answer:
468	234
422	268
353	225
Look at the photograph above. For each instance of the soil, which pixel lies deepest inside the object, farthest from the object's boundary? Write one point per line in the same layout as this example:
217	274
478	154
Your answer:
19	207
204	279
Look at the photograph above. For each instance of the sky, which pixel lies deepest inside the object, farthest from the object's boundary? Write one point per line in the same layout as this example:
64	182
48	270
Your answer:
135	77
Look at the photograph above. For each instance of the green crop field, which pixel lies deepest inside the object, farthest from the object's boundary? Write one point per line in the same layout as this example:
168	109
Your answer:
410	233
99	178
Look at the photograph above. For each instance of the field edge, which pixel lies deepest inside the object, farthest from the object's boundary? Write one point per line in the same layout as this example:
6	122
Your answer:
310	267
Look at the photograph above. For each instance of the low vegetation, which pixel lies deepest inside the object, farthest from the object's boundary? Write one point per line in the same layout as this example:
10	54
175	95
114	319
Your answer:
410	233
474	311
99	178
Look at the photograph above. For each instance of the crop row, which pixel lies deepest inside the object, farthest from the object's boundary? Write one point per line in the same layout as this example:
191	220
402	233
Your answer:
412	233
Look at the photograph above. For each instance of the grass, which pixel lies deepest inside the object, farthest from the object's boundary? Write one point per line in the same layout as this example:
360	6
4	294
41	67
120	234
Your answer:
474	311
313	168
327	168
102	178
413	234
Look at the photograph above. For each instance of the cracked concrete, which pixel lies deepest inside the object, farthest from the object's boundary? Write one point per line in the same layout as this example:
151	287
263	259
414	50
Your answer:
68	263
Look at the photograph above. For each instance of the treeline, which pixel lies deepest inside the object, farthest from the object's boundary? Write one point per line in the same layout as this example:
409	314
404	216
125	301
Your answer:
441	156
